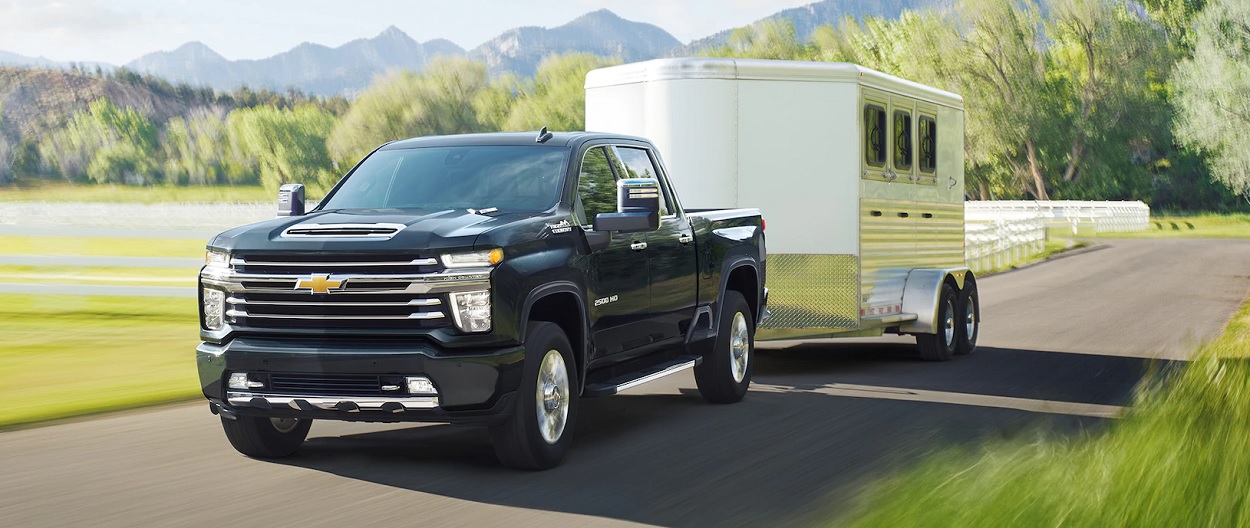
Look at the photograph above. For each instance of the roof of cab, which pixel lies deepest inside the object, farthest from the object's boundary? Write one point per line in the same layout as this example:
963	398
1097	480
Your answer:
563	139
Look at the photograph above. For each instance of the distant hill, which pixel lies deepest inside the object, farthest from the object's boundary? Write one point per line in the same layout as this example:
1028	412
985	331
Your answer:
36	99
309	67
600	33
832	12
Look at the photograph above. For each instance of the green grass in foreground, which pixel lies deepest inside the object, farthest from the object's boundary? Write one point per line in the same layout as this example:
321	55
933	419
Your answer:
64	356
45	192
101	246
1200	226
1181	457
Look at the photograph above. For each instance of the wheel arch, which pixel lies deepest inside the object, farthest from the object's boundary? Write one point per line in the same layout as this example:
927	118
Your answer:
561	303
743	276
923	291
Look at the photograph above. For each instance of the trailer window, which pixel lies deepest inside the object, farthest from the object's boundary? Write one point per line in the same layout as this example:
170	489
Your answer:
874	135
638	165
902	140
596	187
928	143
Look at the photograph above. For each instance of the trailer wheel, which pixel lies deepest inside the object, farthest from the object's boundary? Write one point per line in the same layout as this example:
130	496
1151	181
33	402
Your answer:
725	373
969	319
942	345
540	430
261	437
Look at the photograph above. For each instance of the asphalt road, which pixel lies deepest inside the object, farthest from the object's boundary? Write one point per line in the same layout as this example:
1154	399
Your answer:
1064	343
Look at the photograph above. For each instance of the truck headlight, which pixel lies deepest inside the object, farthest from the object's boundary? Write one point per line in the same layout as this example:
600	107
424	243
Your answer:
473	259
216	258
471	310
214	308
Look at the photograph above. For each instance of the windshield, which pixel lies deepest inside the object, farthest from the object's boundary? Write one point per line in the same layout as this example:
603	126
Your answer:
510	178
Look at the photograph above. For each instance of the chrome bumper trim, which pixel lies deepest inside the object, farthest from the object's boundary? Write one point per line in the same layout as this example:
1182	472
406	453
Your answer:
331	403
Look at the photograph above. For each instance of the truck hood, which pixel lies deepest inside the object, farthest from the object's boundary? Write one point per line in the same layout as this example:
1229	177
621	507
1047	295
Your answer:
421	230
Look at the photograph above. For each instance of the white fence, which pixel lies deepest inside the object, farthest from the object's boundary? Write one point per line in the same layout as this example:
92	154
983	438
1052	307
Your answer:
999	233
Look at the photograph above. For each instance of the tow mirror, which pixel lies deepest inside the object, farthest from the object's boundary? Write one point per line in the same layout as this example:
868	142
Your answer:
637	207
291	200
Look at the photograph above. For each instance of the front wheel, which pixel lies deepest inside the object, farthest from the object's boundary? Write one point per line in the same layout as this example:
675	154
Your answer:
538	433
725	373
265	437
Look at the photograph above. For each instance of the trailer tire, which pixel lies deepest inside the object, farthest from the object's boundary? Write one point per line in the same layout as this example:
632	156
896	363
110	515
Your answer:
724	375
263	437
942	345
969	319
538	435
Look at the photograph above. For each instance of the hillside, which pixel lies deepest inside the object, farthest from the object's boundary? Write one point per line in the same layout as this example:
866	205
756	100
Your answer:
34	99
829	12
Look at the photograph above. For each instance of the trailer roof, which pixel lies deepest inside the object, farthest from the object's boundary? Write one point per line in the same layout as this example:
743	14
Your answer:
758	69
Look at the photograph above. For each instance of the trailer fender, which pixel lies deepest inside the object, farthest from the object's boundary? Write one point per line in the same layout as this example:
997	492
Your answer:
921	293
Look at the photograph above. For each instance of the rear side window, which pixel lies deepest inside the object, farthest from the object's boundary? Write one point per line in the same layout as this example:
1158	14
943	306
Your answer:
928	143
902	140
638	165
874	135
596	187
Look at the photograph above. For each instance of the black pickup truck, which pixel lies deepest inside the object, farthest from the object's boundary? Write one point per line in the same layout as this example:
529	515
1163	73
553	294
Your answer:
488	279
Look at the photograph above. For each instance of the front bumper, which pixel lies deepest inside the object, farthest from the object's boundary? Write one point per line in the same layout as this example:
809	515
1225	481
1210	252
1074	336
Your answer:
474	385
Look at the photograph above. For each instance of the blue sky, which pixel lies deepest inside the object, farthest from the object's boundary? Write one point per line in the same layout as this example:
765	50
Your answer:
117	31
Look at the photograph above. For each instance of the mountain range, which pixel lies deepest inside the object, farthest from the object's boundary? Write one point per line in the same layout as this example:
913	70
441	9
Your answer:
348	69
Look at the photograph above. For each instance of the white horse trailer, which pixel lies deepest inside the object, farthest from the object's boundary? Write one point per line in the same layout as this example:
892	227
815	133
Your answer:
860	176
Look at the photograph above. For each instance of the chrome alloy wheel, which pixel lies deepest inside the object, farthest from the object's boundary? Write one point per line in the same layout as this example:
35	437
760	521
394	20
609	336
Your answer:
739	346
970	318
552	396
949	324
284	425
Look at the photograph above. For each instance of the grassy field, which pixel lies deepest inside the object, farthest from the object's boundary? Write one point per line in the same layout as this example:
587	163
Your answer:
51	192
101	246
1181	457
1199	226
64	356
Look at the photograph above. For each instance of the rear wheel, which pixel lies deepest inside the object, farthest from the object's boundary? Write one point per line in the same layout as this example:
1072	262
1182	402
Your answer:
725	373
969	319
538	433
265	437
942	345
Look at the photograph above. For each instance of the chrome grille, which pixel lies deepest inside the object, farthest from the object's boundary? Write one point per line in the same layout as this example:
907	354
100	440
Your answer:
300	264
324	384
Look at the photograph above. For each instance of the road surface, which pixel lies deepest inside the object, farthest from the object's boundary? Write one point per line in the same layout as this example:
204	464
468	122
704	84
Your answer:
1063	345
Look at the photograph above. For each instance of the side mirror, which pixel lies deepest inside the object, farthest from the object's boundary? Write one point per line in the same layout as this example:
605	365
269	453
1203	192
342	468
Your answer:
291	200
637	207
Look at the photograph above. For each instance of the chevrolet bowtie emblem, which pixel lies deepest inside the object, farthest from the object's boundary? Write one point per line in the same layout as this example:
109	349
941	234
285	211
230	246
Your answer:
319	284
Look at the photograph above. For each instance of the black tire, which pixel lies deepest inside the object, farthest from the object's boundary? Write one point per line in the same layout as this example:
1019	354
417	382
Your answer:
718	375
969	316
942	345
260	437
520	442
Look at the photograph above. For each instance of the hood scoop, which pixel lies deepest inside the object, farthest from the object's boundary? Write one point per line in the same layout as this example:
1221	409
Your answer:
352	231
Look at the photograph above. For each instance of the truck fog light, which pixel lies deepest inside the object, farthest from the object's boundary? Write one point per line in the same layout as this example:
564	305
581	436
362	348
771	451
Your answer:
240	380
214	308
421	385
471	310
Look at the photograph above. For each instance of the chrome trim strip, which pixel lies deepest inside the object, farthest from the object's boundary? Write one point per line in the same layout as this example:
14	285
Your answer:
657	375
413	262
333	227
414	302
415	315
357	278
331	403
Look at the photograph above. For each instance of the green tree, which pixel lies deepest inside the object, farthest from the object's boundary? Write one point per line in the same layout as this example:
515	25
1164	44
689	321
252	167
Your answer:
555	97
1213	92
287	145
7	153
770	39
104	144
198	151
439	100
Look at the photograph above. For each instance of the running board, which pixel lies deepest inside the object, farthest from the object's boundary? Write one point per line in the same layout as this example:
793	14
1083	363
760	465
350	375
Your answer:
634	379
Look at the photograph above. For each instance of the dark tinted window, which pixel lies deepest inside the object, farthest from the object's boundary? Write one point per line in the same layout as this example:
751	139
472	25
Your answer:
874	135
638	164
902	140
511	178
927	129
596	187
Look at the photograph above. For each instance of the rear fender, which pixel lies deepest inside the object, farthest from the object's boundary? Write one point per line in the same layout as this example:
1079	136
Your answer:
921	294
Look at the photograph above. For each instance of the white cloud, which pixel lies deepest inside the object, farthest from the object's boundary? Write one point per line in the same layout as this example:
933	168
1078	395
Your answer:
66	19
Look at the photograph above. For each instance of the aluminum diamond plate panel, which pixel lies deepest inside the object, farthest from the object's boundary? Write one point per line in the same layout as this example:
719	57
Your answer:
813	291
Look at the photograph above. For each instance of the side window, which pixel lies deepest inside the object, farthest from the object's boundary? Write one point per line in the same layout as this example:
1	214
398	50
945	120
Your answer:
596	187
874	135
902	140
928	143
638	165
